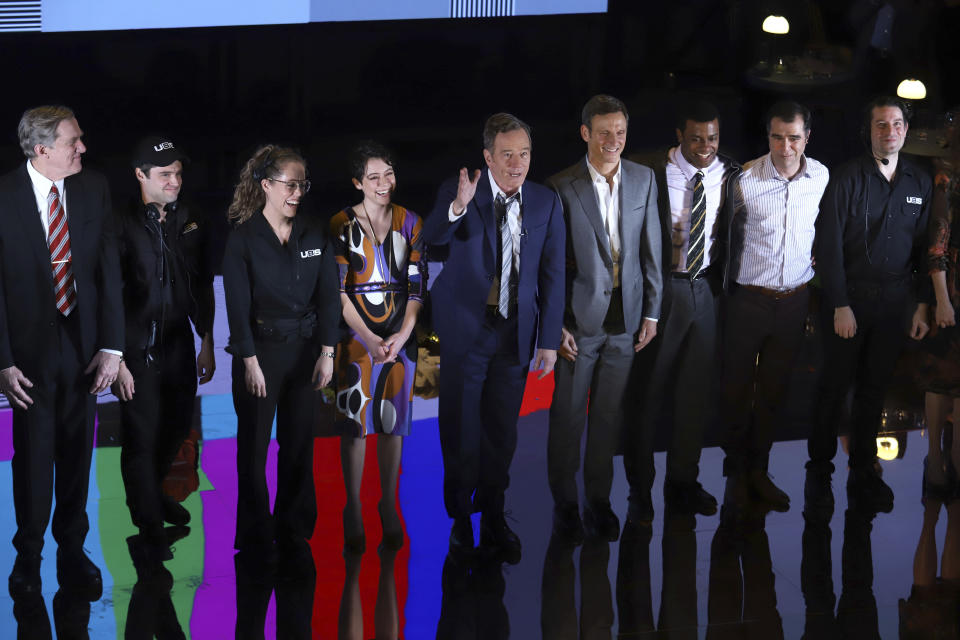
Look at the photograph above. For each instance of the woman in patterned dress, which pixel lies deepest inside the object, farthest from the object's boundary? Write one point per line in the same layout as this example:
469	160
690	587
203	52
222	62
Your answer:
383	281
939	366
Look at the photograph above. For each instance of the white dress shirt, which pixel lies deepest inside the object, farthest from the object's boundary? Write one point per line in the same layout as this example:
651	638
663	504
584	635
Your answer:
608	200
41	191
779	217
680	177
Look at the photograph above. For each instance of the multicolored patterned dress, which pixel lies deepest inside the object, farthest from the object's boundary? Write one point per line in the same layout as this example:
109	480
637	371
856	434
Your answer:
938	368
379	280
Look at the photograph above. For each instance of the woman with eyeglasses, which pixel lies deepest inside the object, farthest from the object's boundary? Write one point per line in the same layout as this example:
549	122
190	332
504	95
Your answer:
383	282
280	283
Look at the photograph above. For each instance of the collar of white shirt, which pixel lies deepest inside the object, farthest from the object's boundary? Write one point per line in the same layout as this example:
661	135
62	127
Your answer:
688	170
41	183
596	176
770	172
495	188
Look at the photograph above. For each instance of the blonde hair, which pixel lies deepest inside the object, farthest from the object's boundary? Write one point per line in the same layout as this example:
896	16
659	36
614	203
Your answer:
266	162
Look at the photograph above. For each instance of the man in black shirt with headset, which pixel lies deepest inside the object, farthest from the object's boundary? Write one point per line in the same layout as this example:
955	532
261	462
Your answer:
871	238
167	283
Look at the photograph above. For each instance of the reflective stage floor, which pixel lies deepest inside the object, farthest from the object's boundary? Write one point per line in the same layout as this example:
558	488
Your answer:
765	576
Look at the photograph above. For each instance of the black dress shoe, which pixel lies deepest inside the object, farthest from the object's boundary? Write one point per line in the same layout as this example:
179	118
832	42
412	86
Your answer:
498	540
689	498
461	536
567	524
601	522
174	512
76	572
763	488
25	577
866	491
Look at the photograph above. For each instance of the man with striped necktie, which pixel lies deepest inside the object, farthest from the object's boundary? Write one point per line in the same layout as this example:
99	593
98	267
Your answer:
61	339
695	191
777	201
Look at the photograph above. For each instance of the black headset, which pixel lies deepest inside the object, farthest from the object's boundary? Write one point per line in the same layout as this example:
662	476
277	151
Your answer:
260	172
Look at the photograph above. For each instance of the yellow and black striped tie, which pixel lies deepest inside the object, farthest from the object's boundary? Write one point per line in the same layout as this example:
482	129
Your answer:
698	219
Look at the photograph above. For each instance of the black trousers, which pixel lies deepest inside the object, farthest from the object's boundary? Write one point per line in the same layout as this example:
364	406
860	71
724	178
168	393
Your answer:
481	391
155	423
287	369
678	367
56	431
866	362
762	335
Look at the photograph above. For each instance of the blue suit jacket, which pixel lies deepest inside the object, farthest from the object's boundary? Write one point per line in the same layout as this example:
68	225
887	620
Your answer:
459	294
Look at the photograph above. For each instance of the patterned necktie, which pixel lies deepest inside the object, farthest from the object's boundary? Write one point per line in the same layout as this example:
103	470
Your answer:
698	216
506	252
58	241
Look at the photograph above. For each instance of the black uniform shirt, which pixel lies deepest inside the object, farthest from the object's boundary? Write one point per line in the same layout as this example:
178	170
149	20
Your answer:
869	230
265	280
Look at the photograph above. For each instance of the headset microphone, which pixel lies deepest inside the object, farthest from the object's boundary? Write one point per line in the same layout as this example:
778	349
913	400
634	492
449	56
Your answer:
153	213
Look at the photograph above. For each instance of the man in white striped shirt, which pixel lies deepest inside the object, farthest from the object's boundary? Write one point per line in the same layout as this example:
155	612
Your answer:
777	202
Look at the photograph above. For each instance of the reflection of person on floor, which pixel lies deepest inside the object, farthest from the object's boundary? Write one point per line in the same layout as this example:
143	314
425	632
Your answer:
471	607
386	614
634	597
931	611
151	613
558	613
742	599
383	281
294	597
280	285
168	282
71	616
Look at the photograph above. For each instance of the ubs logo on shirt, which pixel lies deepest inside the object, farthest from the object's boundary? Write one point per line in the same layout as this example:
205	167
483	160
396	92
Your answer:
310	253
914	200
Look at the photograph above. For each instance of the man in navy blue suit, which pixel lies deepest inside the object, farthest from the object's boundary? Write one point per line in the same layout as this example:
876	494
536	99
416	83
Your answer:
500	295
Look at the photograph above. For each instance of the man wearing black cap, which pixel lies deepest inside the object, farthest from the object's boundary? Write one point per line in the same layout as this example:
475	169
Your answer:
168	282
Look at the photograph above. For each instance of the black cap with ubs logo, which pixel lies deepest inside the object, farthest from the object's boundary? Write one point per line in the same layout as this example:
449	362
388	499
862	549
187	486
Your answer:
158	151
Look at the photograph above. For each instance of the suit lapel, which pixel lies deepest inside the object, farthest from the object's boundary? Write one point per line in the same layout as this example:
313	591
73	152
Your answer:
76	214
29	218
583	186
483	198
630	196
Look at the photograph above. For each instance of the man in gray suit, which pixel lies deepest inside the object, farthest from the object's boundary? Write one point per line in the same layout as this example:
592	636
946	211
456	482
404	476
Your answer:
613	288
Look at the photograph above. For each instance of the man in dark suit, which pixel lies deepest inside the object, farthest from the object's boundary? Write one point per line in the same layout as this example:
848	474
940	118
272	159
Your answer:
500	293
613	286
61	336
695	187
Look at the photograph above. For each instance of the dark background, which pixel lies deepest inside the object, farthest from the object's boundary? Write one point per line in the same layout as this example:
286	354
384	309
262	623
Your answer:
425	87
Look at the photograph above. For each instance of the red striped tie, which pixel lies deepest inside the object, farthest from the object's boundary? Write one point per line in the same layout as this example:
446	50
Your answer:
58	241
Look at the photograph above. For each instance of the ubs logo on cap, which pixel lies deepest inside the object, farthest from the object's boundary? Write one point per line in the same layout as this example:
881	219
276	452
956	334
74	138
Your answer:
162	146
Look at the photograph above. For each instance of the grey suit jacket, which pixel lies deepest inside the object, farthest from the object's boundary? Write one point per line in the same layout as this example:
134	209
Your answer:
589	273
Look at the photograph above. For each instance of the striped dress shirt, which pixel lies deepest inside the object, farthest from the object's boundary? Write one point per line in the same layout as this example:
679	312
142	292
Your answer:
778	217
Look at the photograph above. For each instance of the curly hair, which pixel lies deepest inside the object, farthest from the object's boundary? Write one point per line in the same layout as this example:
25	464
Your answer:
363	153
248	195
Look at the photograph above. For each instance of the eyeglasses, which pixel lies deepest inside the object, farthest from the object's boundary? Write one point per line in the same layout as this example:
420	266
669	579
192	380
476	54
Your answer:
293	184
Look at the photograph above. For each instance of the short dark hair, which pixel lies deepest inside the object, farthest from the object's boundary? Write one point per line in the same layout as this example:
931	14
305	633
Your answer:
696	111
601	105
885	101
364	152
788	111
502	123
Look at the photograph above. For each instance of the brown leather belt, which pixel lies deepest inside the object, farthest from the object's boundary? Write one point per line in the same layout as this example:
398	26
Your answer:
776	294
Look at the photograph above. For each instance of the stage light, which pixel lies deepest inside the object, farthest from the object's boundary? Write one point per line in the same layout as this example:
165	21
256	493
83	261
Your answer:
887	448
776	24
912	89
